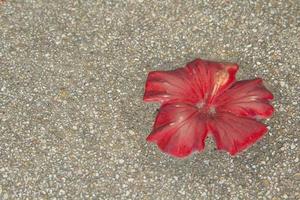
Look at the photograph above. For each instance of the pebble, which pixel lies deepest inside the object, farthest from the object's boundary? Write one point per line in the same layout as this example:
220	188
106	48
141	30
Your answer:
297	176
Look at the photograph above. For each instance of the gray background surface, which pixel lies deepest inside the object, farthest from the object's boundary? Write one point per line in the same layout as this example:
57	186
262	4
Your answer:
72	74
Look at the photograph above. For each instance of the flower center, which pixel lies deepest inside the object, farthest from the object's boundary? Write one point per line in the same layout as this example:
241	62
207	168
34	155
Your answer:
205	108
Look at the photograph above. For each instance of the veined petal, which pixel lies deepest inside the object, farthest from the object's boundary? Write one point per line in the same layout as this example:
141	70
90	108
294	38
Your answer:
199	80
212	78
179	129
166	86
233	133
246	98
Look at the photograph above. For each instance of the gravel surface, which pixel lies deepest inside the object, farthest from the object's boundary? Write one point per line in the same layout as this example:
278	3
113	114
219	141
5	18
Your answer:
72	74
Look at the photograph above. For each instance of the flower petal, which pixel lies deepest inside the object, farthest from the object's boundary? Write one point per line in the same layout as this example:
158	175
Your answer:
164	86
211	78
198	80
179	129
246	98
233	133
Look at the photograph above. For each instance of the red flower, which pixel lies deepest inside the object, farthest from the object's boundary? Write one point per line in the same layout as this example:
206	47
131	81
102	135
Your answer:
203	98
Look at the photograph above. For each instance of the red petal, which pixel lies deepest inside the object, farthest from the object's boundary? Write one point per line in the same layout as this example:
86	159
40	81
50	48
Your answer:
164	86
200	79
233	133
179	130
211	78
246	98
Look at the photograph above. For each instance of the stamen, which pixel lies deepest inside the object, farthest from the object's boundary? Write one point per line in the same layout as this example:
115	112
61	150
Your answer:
200	104
221	78
212	110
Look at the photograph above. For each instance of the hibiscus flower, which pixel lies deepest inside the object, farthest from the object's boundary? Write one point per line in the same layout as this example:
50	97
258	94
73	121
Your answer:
204	98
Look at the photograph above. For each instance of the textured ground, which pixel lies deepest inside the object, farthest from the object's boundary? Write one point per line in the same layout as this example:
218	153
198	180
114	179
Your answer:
72	120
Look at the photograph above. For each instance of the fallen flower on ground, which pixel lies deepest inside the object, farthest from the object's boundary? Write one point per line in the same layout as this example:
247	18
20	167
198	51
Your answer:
204	98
